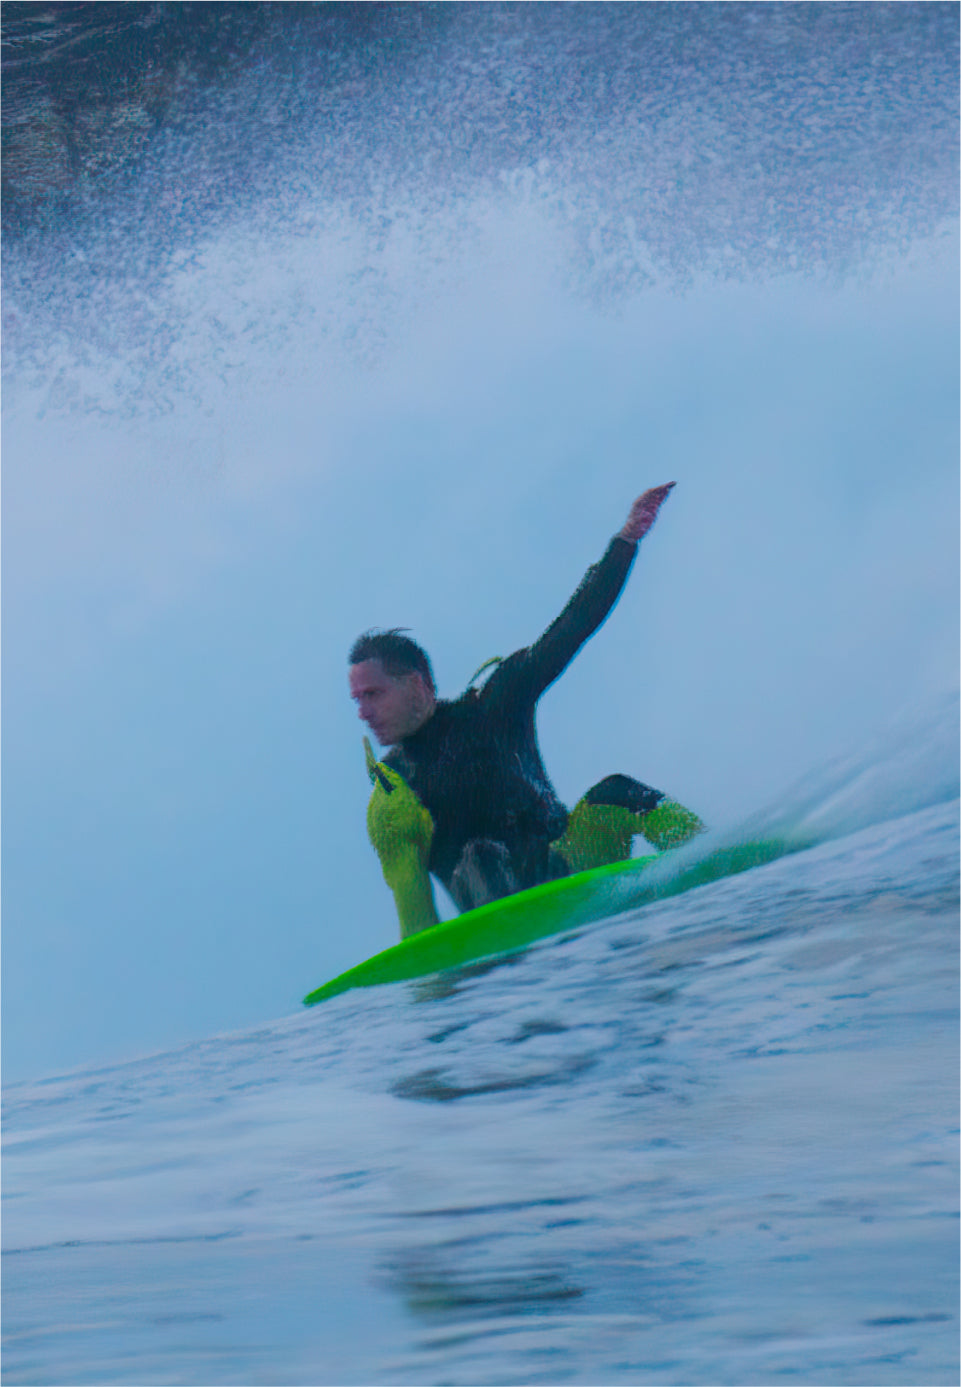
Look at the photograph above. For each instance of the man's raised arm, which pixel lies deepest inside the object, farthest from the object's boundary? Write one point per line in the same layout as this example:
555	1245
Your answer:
537	667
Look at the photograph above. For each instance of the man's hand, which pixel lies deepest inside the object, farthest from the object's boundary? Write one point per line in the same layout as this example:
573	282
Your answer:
644	512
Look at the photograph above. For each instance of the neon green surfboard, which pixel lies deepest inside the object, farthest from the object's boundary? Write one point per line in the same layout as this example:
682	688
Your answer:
510	924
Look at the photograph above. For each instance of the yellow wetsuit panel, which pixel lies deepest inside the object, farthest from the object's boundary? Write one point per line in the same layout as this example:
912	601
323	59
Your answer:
669	825
598	834
401	831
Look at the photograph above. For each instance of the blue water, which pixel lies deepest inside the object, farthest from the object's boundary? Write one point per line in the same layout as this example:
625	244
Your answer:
713	1140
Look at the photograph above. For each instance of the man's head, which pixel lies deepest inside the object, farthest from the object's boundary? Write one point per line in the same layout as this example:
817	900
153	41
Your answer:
392	683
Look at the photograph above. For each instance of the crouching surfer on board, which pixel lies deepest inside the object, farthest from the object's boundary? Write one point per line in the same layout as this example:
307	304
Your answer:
463	793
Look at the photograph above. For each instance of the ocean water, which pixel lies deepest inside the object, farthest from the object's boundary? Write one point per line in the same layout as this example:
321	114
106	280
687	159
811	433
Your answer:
710	1141
283	285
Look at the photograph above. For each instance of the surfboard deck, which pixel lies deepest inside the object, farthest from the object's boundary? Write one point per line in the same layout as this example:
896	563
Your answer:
514	922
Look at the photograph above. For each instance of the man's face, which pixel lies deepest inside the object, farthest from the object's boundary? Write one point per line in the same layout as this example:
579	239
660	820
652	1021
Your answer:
392	706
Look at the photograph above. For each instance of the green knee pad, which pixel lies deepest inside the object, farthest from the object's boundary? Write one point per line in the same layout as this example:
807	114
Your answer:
599	834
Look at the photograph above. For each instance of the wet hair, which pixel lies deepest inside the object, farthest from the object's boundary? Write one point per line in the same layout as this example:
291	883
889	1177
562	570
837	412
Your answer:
397	653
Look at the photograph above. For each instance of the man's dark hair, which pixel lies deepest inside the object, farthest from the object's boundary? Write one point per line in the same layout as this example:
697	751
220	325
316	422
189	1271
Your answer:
397	653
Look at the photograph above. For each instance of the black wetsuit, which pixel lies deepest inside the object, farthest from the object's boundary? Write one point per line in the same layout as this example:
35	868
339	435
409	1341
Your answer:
475	764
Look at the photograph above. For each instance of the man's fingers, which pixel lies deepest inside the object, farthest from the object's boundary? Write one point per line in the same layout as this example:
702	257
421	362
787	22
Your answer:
644	511
653	499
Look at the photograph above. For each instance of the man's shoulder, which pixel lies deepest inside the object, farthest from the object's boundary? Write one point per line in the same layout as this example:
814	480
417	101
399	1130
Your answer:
507	682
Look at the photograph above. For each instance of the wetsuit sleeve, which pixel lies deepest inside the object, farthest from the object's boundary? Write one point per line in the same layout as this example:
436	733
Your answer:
533	670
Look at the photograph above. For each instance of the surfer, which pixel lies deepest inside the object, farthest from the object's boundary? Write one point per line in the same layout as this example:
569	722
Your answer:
463	793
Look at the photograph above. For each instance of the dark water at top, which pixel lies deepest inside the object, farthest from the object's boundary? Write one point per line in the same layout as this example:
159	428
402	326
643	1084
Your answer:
757	132
663	141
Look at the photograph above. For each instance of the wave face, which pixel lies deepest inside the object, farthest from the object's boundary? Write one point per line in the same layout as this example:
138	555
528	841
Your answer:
709	1141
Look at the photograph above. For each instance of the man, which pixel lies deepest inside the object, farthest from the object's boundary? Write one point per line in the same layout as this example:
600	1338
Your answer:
463	793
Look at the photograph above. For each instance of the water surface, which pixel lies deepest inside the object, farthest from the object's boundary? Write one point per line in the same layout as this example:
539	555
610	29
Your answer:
710	1141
